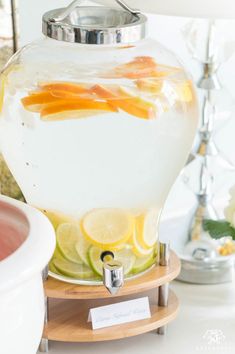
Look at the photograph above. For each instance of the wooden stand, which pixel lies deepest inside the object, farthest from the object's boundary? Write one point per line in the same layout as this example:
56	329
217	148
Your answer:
68	306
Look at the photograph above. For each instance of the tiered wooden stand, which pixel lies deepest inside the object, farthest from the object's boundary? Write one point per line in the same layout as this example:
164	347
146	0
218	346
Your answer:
68	306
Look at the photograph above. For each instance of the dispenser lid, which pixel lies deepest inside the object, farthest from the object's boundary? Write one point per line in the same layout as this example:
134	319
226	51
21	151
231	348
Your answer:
95	24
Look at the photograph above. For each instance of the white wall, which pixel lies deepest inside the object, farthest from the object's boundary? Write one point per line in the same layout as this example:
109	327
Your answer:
167	30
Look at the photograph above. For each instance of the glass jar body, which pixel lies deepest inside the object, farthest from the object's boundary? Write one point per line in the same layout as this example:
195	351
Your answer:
95	137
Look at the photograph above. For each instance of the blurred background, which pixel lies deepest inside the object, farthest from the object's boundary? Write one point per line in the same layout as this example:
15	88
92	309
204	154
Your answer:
20	23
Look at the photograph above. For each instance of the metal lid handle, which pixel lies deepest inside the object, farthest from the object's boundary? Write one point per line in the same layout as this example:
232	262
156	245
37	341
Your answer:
70	8
126	7
66	11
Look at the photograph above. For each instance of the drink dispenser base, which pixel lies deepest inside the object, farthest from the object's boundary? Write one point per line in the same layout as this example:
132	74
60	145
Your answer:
68	305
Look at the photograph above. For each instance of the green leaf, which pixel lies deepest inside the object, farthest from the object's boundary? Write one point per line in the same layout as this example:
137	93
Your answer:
218	229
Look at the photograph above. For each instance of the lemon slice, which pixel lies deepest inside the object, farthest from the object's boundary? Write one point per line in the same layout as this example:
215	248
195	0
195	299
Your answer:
4	81
107	228
57	218
67	235
146	228
82	247
143	263
138	250
124	256
72	270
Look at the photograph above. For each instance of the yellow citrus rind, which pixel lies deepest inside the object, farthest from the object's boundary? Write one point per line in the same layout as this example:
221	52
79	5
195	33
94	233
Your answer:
107	228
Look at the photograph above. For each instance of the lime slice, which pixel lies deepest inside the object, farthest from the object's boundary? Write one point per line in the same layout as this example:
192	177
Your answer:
143	263
57	254
67	236
52	268
124	256
82	247
146	228
107	228
72	270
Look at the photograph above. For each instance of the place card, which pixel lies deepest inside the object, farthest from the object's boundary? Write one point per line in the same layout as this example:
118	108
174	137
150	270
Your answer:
118	313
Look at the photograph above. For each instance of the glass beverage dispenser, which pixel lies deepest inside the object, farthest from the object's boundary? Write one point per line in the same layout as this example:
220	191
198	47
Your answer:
97	120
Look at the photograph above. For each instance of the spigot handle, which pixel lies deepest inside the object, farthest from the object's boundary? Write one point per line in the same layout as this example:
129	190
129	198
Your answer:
113	275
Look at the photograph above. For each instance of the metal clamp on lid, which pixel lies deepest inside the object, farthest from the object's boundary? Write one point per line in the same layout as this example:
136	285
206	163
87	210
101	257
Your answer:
94	24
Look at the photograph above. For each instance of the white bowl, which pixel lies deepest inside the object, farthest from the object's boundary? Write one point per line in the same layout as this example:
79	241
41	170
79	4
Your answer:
27	242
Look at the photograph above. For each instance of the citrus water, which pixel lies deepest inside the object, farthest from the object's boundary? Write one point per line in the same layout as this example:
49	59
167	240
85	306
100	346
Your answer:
113	168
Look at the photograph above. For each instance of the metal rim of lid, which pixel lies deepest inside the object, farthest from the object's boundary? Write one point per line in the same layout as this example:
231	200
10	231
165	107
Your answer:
93	33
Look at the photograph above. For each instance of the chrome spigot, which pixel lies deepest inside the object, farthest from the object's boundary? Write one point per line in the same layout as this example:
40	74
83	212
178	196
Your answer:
113	275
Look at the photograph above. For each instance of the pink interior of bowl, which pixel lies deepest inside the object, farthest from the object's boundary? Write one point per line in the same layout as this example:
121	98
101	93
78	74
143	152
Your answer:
14	228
